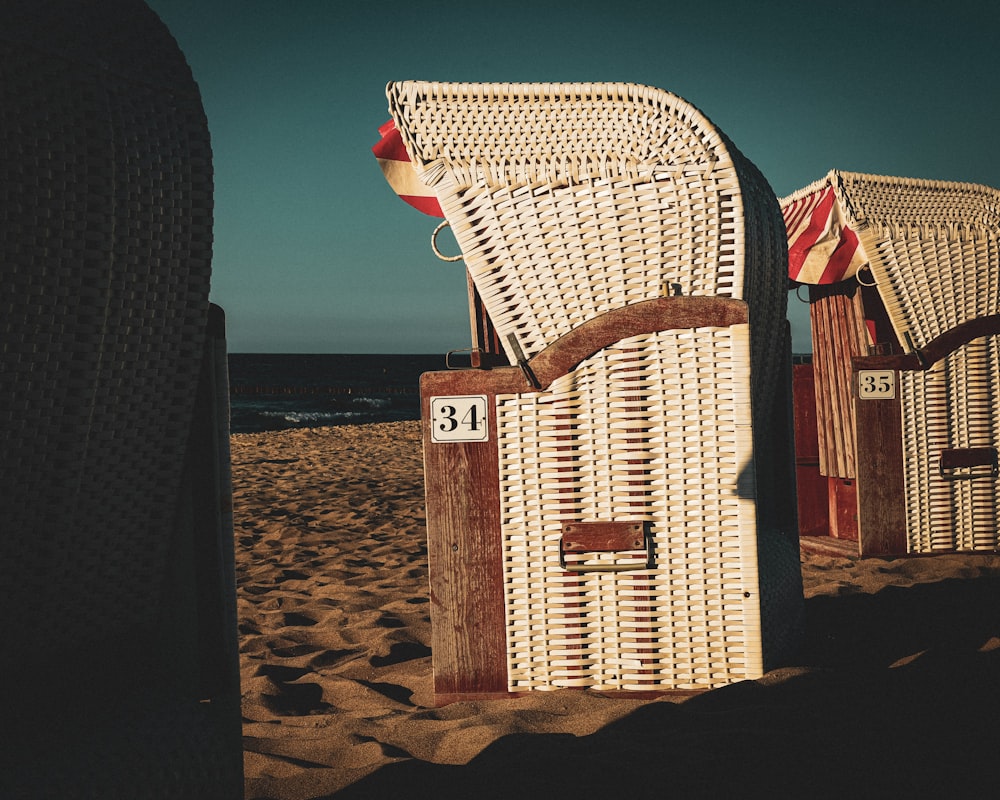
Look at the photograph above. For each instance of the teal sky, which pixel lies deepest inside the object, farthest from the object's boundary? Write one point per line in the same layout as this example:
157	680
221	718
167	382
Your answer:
313	252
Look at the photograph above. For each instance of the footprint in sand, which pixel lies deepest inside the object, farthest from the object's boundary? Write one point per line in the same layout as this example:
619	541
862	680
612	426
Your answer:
329	658
294	619
282	673
388	750
400	652
393	691
296	699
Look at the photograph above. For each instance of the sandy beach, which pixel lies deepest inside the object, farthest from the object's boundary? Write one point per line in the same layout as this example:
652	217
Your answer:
896	692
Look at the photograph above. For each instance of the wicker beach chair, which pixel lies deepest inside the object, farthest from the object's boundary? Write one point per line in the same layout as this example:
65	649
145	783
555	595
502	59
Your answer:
906	338
119	661
616	512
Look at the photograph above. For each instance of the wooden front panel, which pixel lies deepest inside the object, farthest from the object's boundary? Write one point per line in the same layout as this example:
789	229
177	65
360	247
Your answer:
881	497
468	638
843	499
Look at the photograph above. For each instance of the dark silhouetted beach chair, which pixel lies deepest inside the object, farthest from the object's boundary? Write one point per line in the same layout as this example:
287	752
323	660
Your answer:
119	659
616	512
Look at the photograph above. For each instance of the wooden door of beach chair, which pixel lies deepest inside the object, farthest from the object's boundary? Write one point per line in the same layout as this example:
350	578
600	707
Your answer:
921	378
120	656
615	512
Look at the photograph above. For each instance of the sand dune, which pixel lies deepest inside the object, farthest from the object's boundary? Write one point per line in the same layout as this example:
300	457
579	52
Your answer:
896	691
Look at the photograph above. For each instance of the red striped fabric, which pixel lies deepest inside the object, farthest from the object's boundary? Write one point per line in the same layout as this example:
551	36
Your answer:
822	248
398	170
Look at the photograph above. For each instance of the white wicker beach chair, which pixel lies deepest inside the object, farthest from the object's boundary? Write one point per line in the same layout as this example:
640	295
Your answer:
120	657
922	431
625	518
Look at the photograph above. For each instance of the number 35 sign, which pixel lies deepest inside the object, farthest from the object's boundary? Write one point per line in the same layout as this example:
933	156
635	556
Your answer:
459	419
876	384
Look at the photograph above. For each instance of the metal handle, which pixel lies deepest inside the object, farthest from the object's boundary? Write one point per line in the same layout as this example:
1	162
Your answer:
968	458
434	245
605	537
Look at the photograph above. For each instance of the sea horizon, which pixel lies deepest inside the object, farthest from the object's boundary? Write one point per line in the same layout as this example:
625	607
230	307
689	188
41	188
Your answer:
278	391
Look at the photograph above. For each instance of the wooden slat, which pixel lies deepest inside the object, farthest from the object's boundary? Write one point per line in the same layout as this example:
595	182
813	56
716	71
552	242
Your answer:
881	496
839	335
486	349
468	641
940	347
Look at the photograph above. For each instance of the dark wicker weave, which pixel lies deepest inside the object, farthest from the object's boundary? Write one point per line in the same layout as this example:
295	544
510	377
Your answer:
113	479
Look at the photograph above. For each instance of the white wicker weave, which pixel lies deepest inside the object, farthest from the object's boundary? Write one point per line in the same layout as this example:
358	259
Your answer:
623	437
569	201
951	405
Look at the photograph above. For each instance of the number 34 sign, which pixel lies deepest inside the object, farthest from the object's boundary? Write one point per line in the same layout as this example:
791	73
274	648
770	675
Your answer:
459	419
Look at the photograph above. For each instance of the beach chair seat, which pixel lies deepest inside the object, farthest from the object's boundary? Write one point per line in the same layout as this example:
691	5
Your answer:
905	304
614	512
120	654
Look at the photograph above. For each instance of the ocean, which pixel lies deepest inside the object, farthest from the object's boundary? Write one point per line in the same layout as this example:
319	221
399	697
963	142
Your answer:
278	391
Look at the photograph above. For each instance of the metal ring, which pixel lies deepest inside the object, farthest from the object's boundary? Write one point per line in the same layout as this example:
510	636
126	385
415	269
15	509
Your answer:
857	276
798	296
437	252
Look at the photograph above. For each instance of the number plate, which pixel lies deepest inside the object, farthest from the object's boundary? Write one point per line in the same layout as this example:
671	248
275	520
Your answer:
459	419
876	384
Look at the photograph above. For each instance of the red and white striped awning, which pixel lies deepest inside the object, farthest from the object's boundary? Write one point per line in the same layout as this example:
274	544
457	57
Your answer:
822	248
398	170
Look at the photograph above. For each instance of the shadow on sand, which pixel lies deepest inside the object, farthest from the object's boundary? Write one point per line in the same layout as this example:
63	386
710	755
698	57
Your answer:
895	694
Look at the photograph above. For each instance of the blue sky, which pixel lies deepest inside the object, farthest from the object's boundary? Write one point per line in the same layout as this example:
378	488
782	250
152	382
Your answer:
313	252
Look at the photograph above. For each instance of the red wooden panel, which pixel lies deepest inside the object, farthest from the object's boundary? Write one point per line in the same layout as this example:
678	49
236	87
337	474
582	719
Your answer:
810	484
813	502
843	496
804	403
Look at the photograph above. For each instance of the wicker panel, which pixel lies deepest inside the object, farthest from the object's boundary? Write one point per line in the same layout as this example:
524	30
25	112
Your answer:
115	556
951	405
654	429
